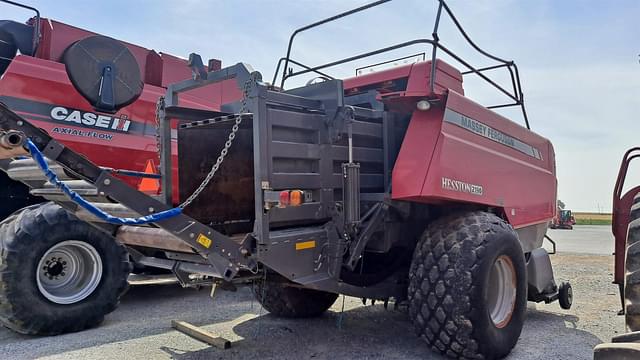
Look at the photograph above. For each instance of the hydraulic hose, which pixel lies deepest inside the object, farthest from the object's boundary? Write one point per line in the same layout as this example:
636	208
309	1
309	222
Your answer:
75	197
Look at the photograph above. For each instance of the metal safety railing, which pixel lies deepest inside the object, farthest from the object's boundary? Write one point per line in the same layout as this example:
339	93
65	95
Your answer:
515	94
629	156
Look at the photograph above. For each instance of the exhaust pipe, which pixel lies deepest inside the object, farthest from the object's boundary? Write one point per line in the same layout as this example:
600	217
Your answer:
12	139
12	144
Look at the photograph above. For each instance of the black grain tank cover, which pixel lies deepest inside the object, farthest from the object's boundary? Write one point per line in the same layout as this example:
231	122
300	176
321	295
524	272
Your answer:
104	72
14	36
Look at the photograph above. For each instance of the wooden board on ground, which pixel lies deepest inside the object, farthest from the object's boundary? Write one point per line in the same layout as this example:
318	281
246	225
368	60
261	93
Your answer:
200	334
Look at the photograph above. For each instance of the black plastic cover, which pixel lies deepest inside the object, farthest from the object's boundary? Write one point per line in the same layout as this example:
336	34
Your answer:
14	36
88	60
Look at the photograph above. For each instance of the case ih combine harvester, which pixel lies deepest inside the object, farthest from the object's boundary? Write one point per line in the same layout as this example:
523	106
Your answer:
48	75
391	185
47	79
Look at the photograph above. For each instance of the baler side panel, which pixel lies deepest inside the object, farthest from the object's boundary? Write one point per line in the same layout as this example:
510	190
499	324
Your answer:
472	168
416	152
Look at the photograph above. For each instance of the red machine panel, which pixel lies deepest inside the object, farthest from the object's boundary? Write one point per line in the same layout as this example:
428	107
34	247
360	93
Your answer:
40	91
465	152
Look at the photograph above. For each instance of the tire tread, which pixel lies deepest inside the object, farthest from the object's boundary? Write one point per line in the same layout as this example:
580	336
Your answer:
441	280
18	236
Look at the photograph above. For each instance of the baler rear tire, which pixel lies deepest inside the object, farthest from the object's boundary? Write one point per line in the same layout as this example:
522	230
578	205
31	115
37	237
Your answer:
449	281
283	300
30	306
632	270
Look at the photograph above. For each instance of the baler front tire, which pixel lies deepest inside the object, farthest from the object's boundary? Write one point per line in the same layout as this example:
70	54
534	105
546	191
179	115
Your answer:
283	300
453	269
632	270
29	304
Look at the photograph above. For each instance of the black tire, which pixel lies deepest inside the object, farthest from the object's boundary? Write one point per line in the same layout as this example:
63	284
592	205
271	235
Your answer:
632	270
449	286
565	295
24	239
281	299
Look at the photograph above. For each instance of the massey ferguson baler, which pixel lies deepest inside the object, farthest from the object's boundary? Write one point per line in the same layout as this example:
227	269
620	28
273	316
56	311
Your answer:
388	186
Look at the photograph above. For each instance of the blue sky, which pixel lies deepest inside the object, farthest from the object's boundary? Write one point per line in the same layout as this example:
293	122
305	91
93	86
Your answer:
578	60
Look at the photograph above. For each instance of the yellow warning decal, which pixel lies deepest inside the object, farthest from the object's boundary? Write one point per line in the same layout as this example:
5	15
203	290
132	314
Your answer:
204	241
306	245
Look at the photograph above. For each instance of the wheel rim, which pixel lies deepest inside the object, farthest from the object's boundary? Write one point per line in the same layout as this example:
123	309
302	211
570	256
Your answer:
502	291
69	272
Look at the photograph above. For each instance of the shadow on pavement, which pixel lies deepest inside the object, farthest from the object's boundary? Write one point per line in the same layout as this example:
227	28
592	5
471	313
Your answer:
374	333
362	332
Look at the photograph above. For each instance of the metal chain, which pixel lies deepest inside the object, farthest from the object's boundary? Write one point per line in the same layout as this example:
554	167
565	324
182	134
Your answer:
227	144
159	106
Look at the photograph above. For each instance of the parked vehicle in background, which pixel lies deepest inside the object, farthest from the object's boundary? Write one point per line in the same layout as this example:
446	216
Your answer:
564	219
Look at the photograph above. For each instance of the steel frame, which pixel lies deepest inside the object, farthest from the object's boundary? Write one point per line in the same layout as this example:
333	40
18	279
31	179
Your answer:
319	109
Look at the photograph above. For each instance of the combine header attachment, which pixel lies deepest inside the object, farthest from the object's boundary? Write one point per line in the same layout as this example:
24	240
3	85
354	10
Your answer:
391	185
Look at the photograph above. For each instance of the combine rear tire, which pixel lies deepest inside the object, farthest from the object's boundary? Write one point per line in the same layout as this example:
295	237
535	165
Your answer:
284	300
467	286
57	273
632	270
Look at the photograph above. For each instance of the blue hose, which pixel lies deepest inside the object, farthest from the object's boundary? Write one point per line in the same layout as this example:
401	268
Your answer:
53	178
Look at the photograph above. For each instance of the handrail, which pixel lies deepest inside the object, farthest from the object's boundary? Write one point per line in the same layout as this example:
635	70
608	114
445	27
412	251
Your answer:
517	96
36	27
617	190
318	23
622	172
402	45
275	74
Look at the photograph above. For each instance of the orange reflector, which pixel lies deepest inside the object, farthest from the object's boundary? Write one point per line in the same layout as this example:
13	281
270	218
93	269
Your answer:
296	197
306	245
149	185
284	198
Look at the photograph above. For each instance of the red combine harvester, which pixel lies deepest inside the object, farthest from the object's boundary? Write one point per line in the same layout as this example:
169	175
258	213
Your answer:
389	186
50	75
44	78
